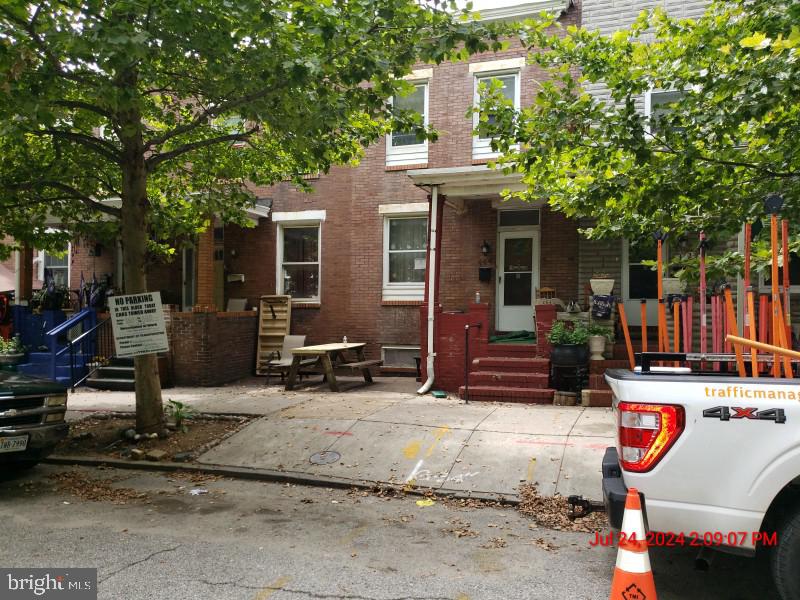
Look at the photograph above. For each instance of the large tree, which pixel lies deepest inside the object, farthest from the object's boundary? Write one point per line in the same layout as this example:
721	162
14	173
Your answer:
146	117
704	160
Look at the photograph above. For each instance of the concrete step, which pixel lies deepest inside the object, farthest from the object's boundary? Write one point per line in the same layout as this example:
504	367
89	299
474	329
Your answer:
491	393
512	350
505	379
116	372
511	365
107	383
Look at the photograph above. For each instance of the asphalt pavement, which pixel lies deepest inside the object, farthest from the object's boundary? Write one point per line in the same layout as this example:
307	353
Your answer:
256	541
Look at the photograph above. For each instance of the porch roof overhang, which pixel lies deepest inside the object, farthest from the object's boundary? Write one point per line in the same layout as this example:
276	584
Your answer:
466	183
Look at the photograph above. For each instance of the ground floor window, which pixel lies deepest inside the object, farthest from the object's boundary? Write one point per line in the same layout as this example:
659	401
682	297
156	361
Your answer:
405	242
54	268
299	253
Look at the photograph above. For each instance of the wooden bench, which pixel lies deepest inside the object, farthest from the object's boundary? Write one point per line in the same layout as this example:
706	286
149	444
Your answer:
363	366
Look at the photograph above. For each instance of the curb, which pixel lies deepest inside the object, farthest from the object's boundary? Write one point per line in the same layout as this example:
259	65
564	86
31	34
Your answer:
273	476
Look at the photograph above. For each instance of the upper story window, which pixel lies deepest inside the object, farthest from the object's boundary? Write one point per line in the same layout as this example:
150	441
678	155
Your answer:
406	147
657	108
509	87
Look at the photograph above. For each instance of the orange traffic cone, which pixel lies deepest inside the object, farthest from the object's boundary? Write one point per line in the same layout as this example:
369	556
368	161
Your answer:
633	579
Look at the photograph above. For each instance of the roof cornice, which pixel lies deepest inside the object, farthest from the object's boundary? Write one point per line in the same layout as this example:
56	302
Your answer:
524	10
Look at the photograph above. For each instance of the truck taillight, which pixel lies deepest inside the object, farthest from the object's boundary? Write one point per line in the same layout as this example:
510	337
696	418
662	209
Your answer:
646	432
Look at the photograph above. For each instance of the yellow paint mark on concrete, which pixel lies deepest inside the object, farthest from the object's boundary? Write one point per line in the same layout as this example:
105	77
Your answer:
438	434
272	588
531	469
462	597
412	450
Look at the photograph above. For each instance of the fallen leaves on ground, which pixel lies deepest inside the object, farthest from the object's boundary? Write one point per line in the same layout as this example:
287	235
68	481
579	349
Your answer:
495	542
553	512
460	529
95	490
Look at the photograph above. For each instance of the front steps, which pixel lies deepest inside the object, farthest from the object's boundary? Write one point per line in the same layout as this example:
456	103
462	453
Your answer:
118	375
511	373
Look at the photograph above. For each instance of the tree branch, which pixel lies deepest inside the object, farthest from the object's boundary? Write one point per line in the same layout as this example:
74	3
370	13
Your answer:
85	106
74	193
97	145
157	159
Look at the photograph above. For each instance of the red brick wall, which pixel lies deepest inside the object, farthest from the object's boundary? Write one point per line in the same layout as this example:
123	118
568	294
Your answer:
559	255
210	348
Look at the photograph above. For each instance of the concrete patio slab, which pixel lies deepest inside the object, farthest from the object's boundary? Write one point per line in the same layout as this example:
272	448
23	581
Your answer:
337	406
455	415
396	453
496	463
595	422
537	420
581	466
283	445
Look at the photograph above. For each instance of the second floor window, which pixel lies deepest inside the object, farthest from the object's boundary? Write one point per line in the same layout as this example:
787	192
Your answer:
406	147
508	88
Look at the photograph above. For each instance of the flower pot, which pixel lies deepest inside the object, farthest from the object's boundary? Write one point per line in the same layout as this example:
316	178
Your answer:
569	355
10	360
601	287
597	345
672	285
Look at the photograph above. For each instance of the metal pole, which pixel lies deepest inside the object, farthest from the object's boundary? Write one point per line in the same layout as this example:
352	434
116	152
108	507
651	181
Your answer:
466	364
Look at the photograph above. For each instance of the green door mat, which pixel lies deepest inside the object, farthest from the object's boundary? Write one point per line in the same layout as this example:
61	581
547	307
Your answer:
514	337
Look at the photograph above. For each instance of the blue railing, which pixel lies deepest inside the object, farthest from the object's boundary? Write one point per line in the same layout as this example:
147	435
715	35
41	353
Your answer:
57	341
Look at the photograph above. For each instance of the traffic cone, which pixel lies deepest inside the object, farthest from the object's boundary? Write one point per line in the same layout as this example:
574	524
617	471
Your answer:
633	579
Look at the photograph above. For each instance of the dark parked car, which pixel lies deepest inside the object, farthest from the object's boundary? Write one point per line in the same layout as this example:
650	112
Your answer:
31	419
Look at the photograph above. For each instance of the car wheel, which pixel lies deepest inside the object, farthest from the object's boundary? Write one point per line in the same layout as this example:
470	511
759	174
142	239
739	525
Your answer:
22	465
786	558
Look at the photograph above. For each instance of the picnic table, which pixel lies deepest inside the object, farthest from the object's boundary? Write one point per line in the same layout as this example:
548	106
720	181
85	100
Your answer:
330	356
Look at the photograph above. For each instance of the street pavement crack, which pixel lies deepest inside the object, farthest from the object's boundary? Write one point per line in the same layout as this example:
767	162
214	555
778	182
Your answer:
323	596
138	562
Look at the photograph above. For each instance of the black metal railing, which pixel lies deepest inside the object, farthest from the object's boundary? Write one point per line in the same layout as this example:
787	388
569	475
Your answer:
93	349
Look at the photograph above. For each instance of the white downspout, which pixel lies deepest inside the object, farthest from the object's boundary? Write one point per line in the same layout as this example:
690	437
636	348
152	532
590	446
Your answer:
432	276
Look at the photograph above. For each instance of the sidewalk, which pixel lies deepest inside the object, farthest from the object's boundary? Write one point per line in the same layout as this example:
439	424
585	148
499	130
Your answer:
386	433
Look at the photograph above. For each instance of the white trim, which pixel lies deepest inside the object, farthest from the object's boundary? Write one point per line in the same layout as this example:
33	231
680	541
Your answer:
401	291
40	259
419	74
411	154
386	347
299	216
297	223
482	148
399	209
491	66
524	10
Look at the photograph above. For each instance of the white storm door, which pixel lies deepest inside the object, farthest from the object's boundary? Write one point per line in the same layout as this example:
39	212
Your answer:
517	279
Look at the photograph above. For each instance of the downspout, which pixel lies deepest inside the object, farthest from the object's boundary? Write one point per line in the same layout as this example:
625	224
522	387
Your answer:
432	277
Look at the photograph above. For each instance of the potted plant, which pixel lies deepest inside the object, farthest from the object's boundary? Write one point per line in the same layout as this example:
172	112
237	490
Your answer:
598	336
12	352
569	344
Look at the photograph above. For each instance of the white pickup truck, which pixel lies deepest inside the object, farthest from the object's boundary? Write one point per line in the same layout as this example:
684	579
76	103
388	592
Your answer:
716	459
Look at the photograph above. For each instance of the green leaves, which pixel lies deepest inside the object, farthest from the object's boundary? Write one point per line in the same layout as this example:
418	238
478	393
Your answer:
700	160
200	98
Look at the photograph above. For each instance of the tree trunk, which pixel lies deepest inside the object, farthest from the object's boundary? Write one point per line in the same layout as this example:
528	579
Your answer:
149	407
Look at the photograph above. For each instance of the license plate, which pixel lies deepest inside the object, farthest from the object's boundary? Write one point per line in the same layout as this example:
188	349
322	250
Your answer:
13	444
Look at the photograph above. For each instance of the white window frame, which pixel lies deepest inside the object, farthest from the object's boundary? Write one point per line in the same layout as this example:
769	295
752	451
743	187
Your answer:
386	347
392	290
482	148
41	264
411	154
289	223
648	106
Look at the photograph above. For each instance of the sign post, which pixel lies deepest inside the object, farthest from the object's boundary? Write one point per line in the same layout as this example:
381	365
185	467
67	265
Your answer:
138	324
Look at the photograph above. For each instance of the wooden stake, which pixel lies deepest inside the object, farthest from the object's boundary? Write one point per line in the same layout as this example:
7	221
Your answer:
624	321
777	318
786	281
781	331
751	329
734	329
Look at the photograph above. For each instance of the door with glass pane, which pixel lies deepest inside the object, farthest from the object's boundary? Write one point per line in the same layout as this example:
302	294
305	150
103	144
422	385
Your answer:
517	279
